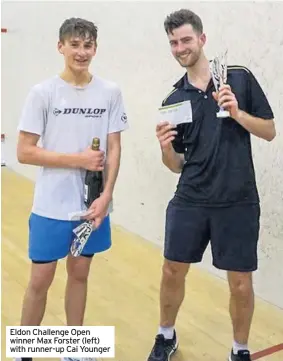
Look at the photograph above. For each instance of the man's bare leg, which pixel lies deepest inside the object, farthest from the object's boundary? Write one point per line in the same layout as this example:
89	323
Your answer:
241	306
76	289
34	303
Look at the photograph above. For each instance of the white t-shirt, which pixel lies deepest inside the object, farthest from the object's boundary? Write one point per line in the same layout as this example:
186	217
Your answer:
67	118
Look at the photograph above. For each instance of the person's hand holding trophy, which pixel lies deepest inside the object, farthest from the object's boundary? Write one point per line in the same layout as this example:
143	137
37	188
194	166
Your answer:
226	99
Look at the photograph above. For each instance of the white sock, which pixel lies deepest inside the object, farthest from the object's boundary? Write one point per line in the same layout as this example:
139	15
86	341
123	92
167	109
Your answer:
238	347
167	332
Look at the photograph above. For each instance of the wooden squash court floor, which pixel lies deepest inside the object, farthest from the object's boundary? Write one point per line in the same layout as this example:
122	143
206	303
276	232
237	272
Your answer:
124	292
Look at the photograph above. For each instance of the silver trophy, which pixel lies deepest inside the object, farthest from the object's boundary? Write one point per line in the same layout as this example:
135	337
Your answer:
218	70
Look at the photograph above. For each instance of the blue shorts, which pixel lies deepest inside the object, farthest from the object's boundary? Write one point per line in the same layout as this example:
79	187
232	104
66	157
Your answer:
50	239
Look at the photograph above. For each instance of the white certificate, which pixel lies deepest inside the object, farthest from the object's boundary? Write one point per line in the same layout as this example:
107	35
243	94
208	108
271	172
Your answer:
176	113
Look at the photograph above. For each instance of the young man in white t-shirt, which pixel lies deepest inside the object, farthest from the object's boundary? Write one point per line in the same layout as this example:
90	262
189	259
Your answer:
65	113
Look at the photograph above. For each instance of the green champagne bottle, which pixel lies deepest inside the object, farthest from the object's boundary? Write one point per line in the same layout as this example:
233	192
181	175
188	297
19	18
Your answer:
93	180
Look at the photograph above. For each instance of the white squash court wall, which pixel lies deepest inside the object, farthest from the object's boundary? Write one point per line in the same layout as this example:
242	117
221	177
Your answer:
133	51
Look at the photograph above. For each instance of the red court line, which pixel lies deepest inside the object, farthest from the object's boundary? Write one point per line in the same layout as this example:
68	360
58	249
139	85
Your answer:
267	351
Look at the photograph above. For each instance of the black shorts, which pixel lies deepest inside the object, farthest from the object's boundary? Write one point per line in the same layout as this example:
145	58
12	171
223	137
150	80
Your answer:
233	232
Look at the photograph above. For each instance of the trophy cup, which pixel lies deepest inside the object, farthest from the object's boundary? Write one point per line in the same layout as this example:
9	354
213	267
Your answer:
218	70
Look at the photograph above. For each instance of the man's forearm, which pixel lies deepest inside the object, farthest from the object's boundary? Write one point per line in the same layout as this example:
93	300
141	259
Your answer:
174	161
262	128
112	169
35	155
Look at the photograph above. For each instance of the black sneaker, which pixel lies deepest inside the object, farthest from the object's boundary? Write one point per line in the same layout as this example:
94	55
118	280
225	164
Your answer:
23	359
163	348
243	355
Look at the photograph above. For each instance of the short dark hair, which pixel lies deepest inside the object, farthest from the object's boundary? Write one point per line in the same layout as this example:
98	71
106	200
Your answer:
182	17
77	27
